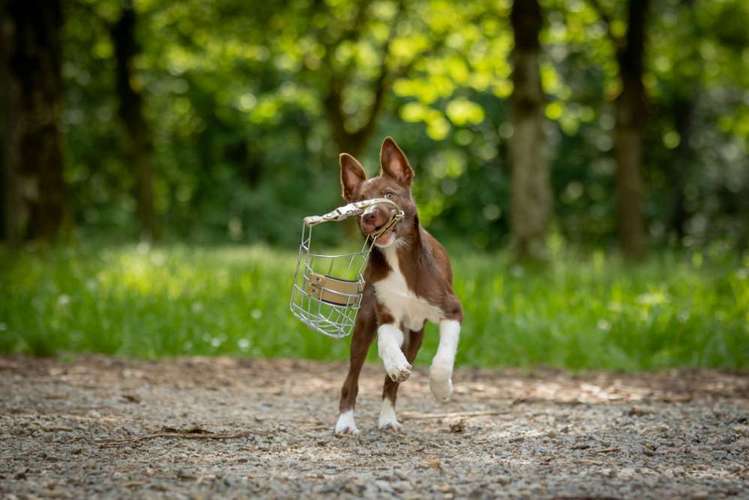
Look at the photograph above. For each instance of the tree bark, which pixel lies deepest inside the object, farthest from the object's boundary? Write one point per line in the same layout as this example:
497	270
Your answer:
33	161
631	108
137	133
530	186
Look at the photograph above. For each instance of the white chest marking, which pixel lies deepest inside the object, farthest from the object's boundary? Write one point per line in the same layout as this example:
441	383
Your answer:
403	304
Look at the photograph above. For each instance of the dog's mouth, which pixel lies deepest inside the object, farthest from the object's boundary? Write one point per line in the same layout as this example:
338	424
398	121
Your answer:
386	238
384	234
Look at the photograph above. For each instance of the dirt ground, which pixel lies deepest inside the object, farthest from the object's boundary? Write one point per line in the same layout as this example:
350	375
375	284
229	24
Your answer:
230	428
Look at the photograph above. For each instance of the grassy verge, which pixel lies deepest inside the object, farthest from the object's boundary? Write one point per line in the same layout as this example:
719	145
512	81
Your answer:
579	313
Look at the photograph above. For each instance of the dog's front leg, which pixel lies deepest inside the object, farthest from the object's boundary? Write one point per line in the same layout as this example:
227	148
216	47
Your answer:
387	419
441	372
389	342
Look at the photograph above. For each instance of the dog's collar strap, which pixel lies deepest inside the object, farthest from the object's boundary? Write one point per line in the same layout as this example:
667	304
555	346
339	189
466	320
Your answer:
357	208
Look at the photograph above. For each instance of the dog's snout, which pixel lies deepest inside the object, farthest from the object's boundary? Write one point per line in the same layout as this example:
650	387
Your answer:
369	218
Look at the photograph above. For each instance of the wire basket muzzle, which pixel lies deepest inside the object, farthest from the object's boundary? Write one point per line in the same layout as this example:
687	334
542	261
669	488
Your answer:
328	288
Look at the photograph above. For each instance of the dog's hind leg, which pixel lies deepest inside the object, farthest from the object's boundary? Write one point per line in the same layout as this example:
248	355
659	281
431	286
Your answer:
387	419
360	342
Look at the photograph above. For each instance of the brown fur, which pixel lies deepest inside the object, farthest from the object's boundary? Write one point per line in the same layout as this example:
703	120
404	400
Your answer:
423	261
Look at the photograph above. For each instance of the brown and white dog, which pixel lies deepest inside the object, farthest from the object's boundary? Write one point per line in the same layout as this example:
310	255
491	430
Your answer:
409	282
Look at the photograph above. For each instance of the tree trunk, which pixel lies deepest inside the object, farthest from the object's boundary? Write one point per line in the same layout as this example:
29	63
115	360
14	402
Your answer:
33	166
631	107
531	191
683	160
5	37
683	109
137	133
352	142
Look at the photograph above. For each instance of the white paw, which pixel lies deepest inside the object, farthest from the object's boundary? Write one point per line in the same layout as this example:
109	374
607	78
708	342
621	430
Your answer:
346	424
440	381
396	366
387	420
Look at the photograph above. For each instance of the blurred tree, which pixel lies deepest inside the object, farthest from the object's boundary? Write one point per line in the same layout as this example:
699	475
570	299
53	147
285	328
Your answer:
631	109
347	138
139	148
687	71
34	168
698	167
5	36
349	54
530	188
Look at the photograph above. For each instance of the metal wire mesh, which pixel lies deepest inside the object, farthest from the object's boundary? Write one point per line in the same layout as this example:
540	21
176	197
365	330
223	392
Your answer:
327	290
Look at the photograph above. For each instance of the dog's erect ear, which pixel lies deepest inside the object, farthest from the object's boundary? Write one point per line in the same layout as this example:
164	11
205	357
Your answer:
352	174
394	163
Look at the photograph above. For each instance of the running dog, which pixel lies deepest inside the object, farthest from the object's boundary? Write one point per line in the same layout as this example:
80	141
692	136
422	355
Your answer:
408	282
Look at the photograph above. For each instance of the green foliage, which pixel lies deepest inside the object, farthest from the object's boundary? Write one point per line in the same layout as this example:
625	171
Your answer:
235	93
239	98
580	312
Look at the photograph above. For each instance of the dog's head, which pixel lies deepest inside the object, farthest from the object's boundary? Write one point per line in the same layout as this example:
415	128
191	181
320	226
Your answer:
393	183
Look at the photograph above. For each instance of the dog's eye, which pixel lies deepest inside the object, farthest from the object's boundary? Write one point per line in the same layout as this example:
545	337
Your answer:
389	195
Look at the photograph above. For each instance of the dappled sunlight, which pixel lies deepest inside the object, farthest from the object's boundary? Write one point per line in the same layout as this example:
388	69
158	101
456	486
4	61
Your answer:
182	273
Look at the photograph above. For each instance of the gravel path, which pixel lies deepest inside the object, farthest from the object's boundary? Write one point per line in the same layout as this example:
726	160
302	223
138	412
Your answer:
246	428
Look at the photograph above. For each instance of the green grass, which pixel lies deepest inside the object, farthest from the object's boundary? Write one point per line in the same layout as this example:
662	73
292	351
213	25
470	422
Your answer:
592	312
